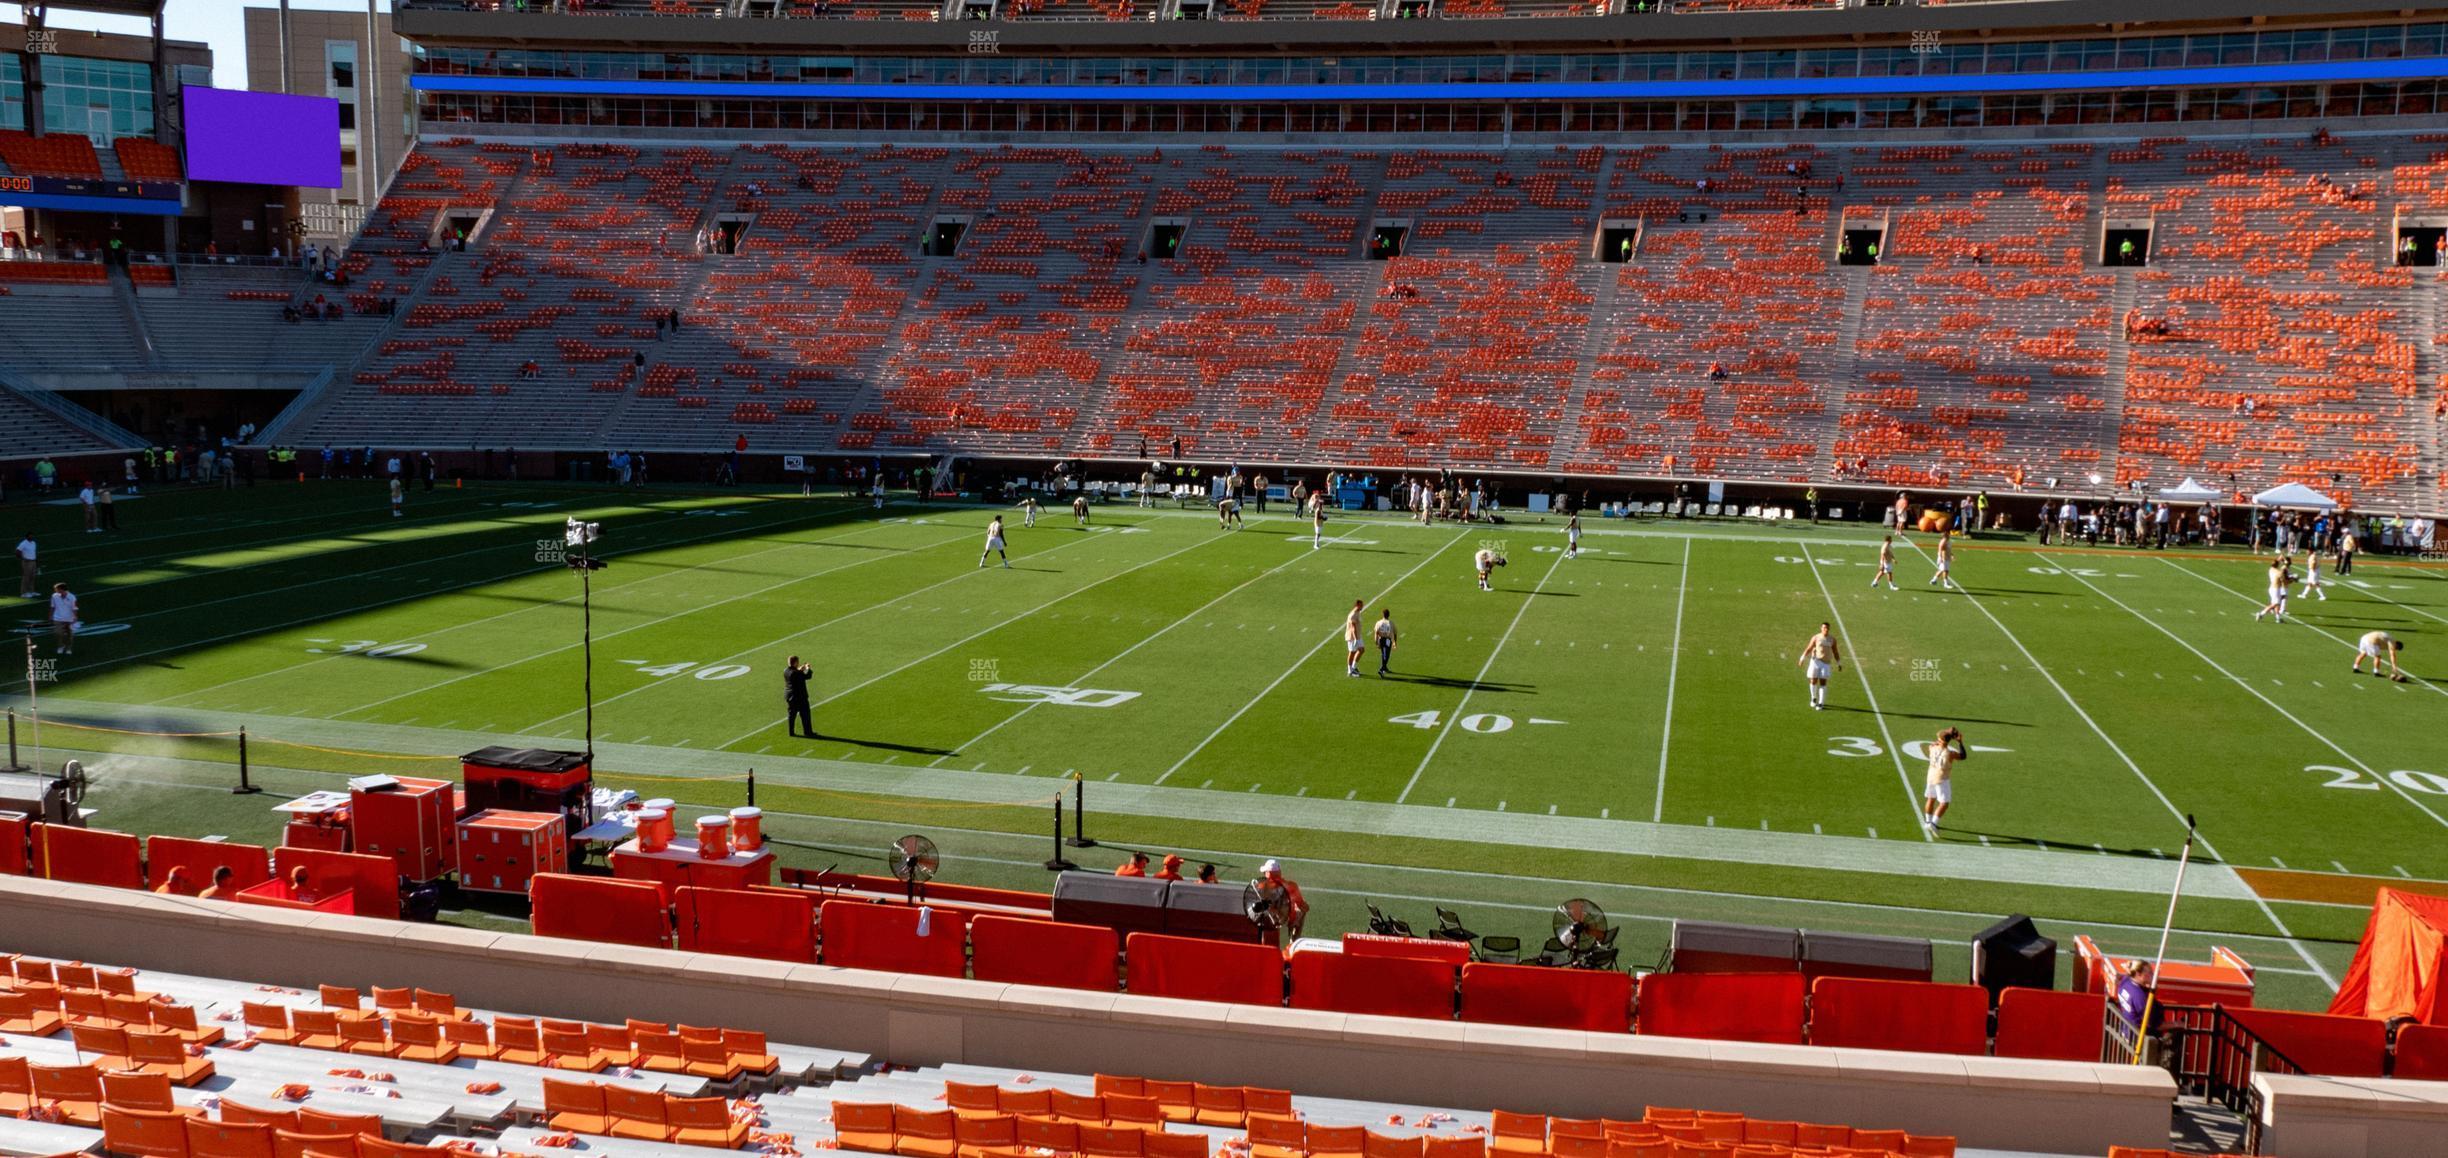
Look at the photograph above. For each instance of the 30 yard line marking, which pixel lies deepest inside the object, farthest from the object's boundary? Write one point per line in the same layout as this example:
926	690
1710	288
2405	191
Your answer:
1125	653
1476	680
1674	661
1297	664
1912	800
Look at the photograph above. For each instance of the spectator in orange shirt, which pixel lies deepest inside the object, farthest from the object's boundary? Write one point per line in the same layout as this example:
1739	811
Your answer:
1136	868
176	884
220	889
1172	867
1271	880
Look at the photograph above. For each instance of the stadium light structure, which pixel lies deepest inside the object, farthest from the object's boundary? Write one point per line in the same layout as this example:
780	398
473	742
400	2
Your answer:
580	539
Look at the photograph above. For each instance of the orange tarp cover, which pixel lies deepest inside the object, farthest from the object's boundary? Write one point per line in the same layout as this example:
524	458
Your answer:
2397	971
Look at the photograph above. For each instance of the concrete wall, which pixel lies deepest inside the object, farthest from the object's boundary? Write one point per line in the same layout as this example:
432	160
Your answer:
2352	1117
2005	1104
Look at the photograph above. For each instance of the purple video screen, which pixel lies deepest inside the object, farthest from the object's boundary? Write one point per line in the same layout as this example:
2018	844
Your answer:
262	138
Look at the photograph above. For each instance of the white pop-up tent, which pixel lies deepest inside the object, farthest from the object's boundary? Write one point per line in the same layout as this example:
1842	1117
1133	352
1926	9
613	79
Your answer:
2295	496
2189	493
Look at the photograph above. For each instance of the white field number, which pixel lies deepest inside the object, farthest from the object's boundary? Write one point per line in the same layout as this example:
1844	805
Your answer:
1482	723
2077	572
1913	749
2427	783
373	648
1800	559
717	671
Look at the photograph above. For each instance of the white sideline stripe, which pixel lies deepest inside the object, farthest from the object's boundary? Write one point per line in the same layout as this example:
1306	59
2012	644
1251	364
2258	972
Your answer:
803	631
439	632
1125	654
2368	770
1243	710
1912	800
359	609
686	611
1476	680
989	629
1674	663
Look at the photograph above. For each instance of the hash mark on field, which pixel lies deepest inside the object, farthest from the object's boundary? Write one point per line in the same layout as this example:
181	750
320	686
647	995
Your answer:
889	757
2278	862
1112	776
2341	867
446	723
980	766
1354	794
1253	788
1984	842
1712	822
2401	872
1603	813
1207	783
2102	849
1874	834
848	753
408	721
1763	824
1304	791
1551	810
1024	769
2159	854
1815	831
1500	806
765	749
1449	801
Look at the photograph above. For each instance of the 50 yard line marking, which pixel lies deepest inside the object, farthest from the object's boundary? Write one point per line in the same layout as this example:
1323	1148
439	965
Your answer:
1836	618
1447	545
1674	661
1125	653
1476	680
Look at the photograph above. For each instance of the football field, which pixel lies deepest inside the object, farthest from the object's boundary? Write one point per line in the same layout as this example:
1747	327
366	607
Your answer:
1628	725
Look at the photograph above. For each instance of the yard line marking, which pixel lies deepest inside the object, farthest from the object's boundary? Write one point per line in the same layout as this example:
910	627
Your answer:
1472	690
359	609
765	749
2315	733
776	643
1674	660
1297	664
656	621
1125	653
1912	800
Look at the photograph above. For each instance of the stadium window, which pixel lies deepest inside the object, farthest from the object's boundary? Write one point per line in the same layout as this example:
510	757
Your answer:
2418	241
1386	240
943	237
2125	243
1618	241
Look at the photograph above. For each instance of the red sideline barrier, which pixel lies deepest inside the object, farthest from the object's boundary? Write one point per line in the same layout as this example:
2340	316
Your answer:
15	832
1765	1007
860	935
2052	1026
1593	999
91	856
1186	967
2422	1053
1454	953
2324	1044
249	864
598	909
375	879
1392	986
773	925
1029	952
1923	1016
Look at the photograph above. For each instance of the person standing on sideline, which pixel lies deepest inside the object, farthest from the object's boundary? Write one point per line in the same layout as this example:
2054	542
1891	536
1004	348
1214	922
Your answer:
1886	563
26	570
994	543
878	490
399	496
1258	490
2312	584
63	619
391	468
1386	635
1572	535
1819	659
108	510
1938	788
85	497
797	715
2346	550
127	467
1317	520
1352	641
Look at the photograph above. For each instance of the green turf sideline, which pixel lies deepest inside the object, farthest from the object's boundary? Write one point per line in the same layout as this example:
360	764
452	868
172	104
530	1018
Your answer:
2062	869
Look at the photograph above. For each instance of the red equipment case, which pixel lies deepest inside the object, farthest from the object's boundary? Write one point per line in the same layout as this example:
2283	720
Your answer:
680	865
531	780
413	821
500	851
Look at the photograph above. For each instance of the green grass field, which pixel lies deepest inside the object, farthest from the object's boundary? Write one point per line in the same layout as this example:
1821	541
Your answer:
1628	725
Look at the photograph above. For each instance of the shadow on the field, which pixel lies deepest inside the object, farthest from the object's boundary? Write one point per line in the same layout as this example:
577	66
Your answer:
1039	570
2013	591
1925	716
1429	681
1970	835
1642	562
1555	594
1372	550
883	745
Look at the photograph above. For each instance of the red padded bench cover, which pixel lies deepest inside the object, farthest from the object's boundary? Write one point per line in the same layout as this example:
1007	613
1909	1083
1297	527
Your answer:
1593	999
2049	1025
770	924
1923	1016
1763	1007
1391	986
1057	953
1186	967
863	935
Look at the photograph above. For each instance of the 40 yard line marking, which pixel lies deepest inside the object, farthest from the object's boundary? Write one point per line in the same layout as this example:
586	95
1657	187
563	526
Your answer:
1243	710
1476	680
1674	661
1836	617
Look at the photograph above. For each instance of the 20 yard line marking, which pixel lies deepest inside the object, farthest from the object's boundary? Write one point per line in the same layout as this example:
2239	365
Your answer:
1674	661
1476	680
1297	664
1912	800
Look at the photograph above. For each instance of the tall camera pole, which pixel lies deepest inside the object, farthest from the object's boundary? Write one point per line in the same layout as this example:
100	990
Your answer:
580	537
